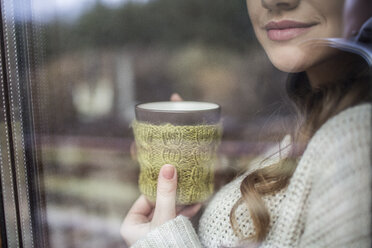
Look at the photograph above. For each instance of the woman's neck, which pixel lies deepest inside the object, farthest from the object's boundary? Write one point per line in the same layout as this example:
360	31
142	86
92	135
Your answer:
332	70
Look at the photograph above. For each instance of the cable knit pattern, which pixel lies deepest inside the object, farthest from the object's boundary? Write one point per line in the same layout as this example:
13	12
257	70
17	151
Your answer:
191	149
327	203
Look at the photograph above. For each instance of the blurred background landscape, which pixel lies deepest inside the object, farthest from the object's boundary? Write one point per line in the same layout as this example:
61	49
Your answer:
100	59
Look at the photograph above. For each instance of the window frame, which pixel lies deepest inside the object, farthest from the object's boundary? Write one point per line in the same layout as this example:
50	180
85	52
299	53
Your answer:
23	216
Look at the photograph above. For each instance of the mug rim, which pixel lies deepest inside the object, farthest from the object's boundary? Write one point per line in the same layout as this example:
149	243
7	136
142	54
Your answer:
215	106
179	117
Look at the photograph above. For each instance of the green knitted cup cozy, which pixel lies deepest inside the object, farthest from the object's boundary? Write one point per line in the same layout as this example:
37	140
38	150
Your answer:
191	149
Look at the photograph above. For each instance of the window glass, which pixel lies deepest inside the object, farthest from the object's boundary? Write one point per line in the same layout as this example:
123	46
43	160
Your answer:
83	66
102	58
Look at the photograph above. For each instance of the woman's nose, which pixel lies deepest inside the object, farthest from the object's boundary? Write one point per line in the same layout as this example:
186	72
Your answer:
276	5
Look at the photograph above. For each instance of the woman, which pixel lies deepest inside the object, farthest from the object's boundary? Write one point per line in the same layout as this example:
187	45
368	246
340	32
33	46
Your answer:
314	192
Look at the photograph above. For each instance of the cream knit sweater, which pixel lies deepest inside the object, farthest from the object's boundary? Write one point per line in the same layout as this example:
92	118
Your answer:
327	203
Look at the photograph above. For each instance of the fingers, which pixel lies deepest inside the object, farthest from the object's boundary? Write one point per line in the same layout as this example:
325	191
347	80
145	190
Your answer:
141	206
190	211
136	223
179	208
133	151
165	206
176	98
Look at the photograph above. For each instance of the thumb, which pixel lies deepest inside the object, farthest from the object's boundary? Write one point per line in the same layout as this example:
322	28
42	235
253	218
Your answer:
175	97
165	207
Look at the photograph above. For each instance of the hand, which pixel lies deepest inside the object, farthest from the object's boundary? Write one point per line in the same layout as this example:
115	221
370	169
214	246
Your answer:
144	216
176	98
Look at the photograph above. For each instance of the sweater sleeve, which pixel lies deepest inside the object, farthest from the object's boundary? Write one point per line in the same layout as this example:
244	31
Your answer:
339	204
177	232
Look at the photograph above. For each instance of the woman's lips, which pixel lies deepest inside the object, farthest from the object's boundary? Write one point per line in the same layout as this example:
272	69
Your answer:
286	30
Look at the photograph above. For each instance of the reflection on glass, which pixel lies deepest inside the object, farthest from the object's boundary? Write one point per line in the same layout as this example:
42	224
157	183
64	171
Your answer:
101	59
104	57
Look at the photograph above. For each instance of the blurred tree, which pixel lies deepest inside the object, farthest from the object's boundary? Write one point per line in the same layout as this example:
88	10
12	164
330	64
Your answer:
220	23
203	49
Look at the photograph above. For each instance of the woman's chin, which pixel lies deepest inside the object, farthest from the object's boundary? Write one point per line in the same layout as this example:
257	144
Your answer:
290	66
291	60
295	59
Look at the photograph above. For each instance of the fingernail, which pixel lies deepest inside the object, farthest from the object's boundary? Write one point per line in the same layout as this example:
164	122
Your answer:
168	171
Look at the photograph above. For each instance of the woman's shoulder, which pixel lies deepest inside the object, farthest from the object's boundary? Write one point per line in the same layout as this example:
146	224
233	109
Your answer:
338	188
342	142
356	119
340	149
353	123
333	176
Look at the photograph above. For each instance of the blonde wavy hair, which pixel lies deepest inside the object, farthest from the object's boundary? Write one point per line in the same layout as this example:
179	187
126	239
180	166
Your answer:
314	106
